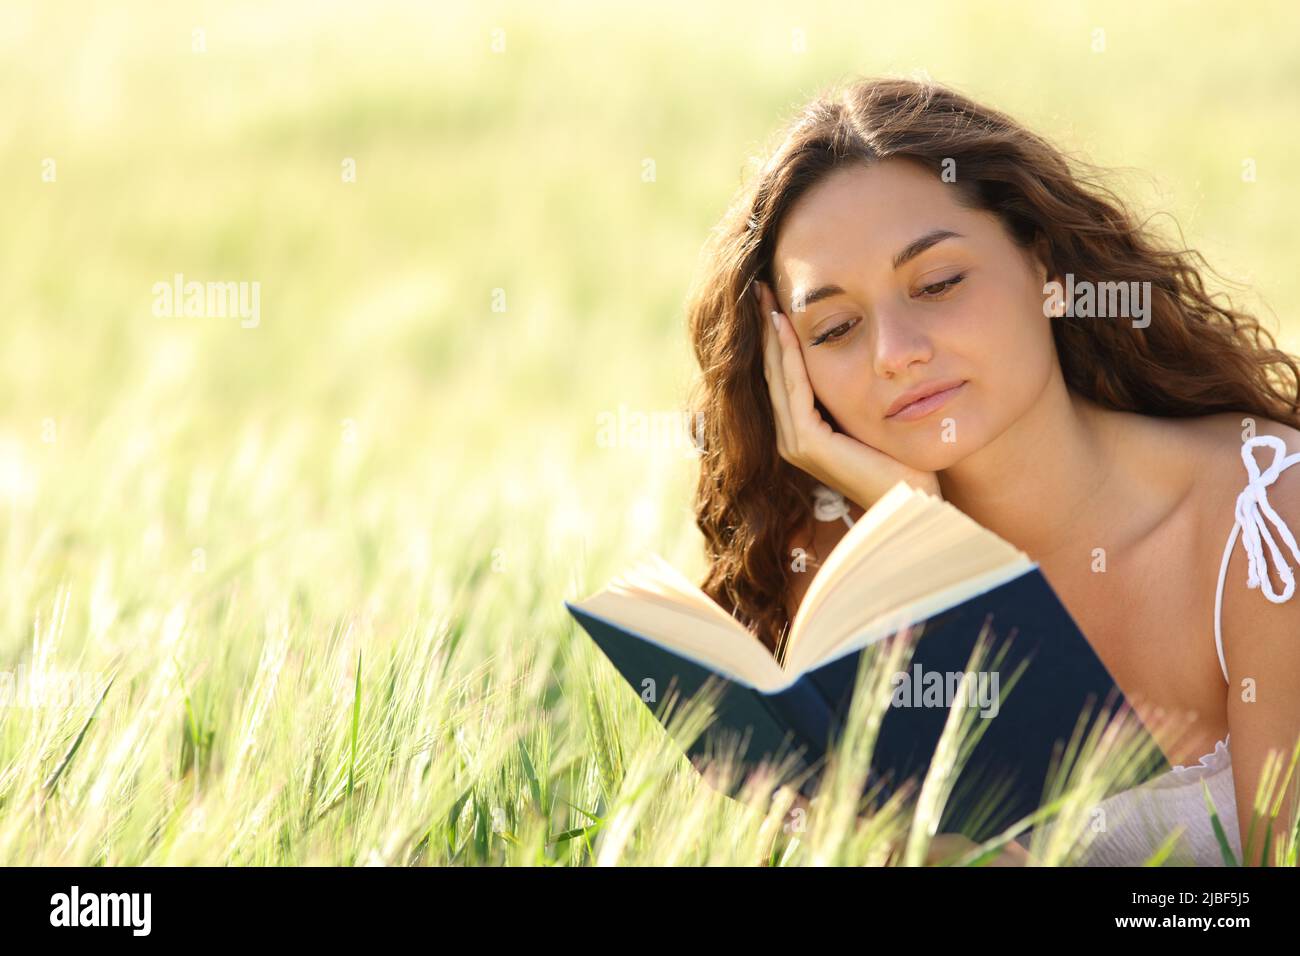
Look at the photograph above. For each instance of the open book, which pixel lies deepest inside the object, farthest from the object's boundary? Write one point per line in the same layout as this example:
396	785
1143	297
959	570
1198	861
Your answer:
911	560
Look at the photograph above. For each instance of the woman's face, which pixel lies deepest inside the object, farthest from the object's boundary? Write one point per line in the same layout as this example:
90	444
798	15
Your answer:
904	287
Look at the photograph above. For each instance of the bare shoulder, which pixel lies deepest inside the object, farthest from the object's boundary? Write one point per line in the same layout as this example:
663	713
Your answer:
1219	442
806	548
1215	445
801	552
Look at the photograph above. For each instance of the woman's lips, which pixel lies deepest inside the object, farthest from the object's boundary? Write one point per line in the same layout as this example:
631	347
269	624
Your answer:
924	406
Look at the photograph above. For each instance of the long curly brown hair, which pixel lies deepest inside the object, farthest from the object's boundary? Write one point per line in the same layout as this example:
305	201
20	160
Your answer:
1196	356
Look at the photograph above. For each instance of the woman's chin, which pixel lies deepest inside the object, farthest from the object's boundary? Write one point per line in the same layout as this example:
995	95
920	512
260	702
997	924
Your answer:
932	459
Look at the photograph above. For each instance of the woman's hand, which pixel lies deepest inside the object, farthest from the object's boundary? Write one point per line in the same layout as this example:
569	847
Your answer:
805	439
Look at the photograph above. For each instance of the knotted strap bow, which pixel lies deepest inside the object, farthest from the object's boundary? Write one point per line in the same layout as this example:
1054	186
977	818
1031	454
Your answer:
830	505
1252	508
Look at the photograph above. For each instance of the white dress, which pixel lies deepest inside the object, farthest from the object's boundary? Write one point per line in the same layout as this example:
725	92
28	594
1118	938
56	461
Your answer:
1138	820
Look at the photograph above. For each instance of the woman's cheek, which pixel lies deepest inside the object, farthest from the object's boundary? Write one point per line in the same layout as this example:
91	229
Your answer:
842	389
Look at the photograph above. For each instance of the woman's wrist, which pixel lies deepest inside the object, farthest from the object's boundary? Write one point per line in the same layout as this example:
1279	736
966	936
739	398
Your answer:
926	481
867	496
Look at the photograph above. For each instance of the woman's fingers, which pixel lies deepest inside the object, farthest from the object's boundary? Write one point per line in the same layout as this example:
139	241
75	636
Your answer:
792	390
773	371
803	414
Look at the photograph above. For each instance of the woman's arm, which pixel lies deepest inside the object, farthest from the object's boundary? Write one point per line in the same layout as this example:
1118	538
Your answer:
1261	647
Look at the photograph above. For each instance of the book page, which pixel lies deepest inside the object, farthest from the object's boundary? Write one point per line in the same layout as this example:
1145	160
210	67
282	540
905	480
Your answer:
657	602
874	525
921	556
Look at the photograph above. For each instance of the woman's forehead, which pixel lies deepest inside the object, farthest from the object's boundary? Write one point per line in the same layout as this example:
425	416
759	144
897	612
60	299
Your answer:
865	213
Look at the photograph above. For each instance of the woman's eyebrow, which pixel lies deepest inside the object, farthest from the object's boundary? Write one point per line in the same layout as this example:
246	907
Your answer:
919	245
905	255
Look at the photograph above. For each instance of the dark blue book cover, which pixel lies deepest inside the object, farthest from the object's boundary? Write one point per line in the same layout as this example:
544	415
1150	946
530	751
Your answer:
1058	681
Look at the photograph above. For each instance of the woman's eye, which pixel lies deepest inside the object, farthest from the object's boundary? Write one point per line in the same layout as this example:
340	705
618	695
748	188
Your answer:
936	289
832	334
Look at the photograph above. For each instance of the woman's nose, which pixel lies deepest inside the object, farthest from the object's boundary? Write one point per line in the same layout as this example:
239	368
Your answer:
899	343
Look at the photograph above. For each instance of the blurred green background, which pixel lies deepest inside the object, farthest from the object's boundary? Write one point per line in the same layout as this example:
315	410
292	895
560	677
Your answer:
408	440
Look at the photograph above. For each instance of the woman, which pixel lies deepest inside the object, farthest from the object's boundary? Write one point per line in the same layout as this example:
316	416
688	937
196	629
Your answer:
916	287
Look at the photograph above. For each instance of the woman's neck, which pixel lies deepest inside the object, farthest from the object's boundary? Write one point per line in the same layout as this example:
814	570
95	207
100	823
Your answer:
1069	473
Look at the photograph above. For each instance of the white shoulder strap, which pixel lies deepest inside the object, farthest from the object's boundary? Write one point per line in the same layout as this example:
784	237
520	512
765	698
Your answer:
1252	508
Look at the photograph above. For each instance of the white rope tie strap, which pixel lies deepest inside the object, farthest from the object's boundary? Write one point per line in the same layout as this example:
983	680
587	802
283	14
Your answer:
829	505
1253	508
